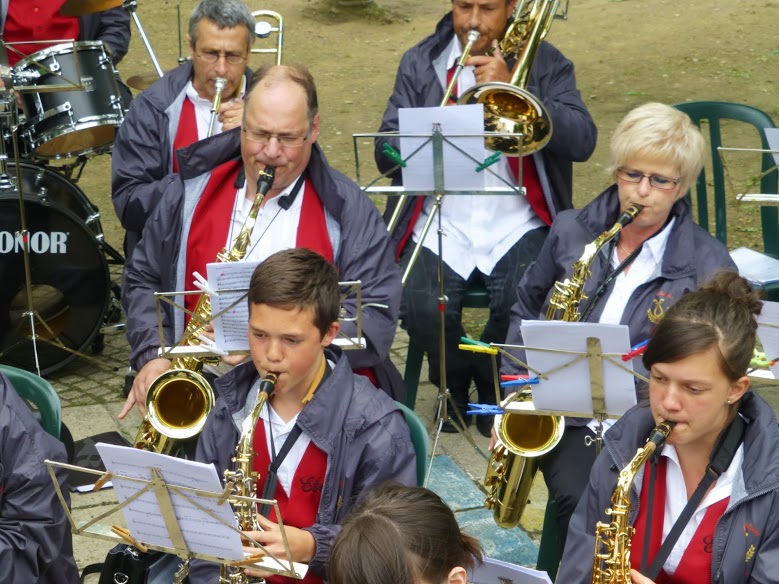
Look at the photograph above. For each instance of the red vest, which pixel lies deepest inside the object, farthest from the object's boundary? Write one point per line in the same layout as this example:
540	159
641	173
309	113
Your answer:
213	214
299	507
696	561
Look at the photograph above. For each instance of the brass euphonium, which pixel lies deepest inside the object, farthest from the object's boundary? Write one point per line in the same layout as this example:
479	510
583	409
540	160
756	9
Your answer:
509	107
611	561
243	478
178	401
522	439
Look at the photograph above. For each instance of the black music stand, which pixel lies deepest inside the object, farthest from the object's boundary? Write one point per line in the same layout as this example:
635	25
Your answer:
444	400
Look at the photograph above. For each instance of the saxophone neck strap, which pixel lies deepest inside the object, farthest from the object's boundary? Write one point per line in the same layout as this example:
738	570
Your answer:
611	275
720	460
273	468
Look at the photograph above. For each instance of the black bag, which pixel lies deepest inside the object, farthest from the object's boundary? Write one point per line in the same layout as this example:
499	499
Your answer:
125	564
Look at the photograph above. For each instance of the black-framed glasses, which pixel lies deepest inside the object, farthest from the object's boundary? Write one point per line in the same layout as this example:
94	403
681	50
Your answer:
212	57
657	181
285	140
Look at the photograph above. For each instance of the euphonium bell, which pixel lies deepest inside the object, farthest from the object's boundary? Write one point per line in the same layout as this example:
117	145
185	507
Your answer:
509	107
513	463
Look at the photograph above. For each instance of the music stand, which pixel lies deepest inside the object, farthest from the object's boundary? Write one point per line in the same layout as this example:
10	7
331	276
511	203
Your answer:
444	399
172	500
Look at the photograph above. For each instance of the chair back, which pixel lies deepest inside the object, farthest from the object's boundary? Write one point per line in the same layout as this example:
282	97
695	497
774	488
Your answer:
714	112
419	439
39	393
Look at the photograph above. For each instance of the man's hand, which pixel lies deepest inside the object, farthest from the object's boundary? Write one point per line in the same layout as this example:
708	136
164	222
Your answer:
143	379
231	114
490	67
301	543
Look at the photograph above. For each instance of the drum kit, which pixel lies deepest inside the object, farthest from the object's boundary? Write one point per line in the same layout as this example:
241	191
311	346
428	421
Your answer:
61	103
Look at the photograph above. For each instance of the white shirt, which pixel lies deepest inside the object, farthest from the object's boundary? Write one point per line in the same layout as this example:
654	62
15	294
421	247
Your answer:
276	228
676	500
646	266
478	230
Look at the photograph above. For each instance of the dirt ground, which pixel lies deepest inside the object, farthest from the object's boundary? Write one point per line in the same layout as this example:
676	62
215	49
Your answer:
626	52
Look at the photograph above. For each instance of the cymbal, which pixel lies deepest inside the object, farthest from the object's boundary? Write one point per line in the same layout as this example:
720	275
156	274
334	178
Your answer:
143	81
81	7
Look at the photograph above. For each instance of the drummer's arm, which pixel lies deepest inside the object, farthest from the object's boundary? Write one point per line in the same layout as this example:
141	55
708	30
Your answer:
114	30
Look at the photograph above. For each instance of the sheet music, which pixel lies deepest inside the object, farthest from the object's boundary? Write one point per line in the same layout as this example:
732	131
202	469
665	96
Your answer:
497	571
772	137
755	266
459	170
231	330
769	335
202	533
568	389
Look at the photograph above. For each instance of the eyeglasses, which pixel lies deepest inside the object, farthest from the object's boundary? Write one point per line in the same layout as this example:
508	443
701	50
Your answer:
212	57
655	180
285	140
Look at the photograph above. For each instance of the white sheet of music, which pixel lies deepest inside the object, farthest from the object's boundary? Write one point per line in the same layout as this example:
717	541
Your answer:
202	533
231	328
569	389
459	170
768	333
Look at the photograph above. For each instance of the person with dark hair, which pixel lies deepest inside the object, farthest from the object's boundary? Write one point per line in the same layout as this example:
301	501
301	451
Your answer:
403	535
176	110
36	544
491	238
309	204
656	153
345	436
714	487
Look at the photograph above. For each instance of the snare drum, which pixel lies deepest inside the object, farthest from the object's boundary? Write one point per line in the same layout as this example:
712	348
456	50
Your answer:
68	123
70	285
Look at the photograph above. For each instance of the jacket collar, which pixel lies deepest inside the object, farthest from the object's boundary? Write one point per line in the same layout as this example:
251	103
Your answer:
323	418
760	469
679	258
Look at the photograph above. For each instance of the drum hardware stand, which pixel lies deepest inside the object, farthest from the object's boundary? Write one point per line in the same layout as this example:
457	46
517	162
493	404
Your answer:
131	6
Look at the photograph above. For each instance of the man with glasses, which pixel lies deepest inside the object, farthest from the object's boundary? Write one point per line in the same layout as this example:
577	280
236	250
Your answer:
176	111
309	204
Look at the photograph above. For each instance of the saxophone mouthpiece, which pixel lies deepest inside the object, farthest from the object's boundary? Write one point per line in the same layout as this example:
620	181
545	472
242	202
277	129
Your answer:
268	383
661	432
265	180
629	214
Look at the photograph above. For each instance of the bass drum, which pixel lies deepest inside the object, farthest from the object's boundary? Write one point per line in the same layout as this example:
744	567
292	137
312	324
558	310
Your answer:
70	285
51	188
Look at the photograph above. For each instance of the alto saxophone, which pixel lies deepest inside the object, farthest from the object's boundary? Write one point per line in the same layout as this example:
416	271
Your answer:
522	439
178	401
243	477
611	563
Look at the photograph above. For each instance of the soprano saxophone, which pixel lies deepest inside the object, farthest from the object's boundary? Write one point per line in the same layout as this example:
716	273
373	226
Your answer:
611	563
243	477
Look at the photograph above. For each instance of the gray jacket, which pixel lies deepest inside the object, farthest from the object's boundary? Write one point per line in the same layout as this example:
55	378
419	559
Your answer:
691	257
363	434
35	540
142	159
751	518
552	80
357	233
